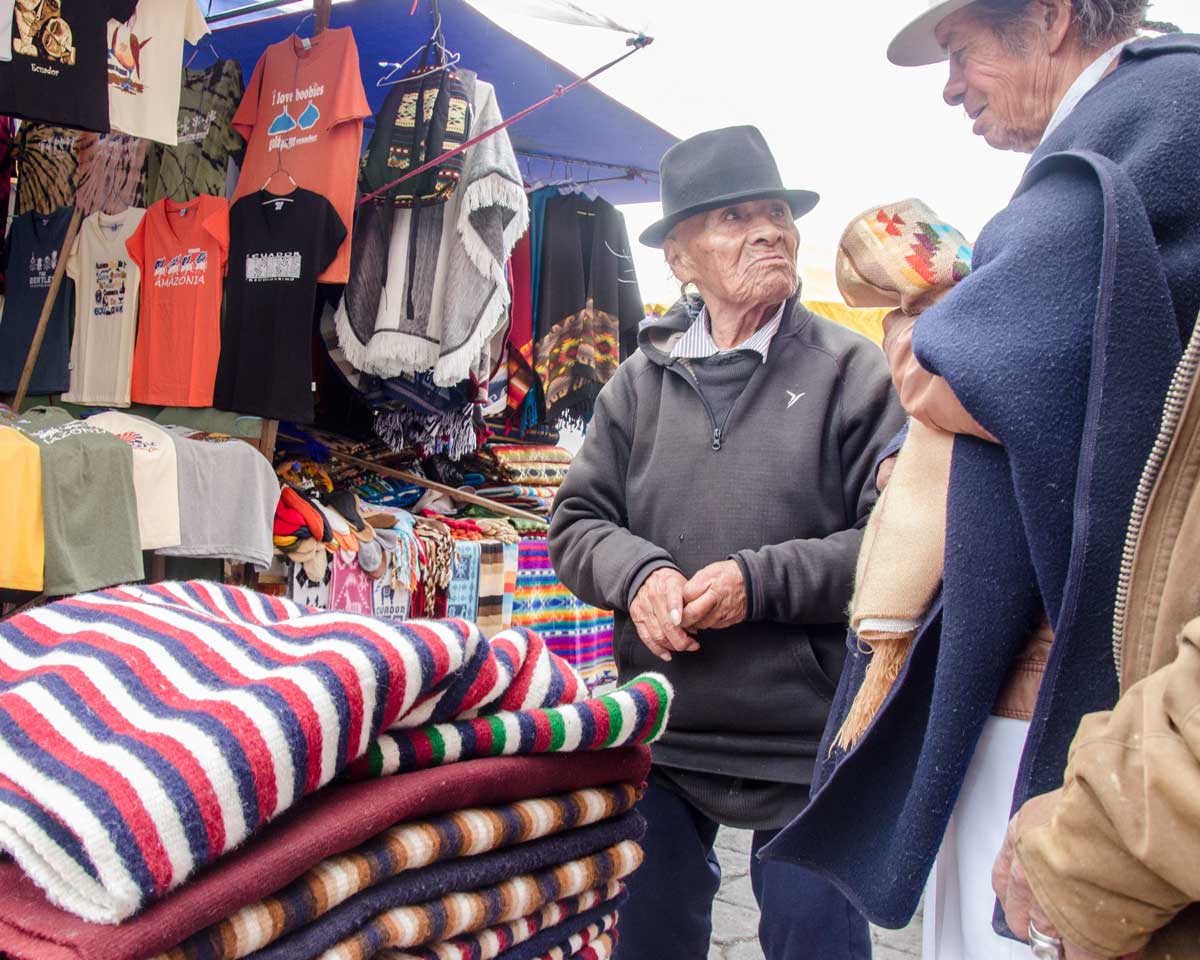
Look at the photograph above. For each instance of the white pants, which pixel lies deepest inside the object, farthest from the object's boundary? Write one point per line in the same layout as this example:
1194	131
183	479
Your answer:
959	897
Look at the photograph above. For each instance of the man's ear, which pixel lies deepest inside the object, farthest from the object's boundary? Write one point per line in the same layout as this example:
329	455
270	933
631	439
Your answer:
1054	19
678	260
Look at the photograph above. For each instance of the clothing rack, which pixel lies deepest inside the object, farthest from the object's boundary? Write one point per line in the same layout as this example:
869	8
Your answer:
461	495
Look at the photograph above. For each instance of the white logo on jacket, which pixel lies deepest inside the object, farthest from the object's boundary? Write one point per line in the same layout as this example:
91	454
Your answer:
793	397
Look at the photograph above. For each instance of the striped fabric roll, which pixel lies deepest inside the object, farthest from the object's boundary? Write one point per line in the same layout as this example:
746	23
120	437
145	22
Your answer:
585	946
578	632
145	731
461	913
495	941
406	847
635	714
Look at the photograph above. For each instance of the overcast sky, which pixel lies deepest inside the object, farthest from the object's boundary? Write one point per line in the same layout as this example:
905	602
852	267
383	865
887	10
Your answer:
813	77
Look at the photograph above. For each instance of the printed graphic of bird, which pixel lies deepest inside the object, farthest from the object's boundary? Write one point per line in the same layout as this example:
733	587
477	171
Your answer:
126	49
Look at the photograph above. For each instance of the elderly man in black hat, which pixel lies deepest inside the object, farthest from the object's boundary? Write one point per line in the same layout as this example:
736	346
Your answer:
718	505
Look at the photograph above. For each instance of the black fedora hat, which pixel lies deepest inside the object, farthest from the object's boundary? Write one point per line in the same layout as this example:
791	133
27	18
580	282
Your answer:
715	169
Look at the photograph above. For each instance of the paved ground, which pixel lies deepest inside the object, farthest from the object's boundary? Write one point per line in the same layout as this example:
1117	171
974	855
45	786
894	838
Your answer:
735	916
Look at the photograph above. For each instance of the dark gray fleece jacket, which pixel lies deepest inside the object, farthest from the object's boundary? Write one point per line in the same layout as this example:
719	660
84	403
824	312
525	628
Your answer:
781	486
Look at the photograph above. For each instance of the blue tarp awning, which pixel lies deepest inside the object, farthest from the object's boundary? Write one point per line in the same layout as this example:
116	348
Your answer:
586	124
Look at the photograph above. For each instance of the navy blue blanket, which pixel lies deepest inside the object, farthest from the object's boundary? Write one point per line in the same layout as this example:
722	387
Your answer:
1061	342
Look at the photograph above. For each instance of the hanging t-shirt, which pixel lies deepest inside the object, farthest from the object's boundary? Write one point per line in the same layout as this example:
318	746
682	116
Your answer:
303	112
24	552
47	160
145	54
59	66
34	245
181	250
278	247
199	163
90	511
6	18
155	476
109	175
227	498
107	285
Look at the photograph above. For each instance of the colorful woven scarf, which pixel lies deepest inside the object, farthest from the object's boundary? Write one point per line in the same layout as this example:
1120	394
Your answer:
576	631
404	848
521	375
634	714
461	913
462	595
490	617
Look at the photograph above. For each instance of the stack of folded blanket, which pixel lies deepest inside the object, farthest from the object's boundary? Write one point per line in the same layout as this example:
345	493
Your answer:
197	771
538	465
525	475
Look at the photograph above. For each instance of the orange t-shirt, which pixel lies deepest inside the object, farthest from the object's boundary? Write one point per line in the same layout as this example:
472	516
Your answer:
304	109
181	249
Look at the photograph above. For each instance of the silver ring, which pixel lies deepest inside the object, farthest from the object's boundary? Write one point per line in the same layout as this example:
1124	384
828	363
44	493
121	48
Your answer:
1044	947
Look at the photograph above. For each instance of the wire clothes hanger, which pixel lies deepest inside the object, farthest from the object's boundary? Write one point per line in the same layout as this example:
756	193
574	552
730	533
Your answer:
444	58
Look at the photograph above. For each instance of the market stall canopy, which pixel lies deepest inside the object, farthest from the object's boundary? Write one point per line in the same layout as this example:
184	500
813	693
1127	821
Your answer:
587	125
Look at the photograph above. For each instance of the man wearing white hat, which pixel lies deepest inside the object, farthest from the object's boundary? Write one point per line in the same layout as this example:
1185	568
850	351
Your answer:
1061	343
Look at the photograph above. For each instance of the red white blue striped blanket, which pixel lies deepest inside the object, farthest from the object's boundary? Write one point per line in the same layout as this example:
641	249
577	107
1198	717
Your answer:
145	731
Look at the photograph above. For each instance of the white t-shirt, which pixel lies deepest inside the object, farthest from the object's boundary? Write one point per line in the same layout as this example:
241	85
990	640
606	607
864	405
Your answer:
145	67
107	289
155	476
6	25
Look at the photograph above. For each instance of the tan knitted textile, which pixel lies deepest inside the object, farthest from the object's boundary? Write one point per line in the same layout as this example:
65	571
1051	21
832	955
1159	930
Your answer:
899	255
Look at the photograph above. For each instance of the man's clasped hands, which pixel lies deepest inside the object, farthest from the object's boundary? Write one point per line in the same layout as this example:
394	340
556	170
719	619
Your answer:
669	609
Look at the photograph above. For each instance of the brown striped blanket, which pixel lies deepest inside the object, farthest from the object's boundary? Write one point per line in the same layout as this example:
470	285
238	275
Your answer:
403	848
459	913
520	938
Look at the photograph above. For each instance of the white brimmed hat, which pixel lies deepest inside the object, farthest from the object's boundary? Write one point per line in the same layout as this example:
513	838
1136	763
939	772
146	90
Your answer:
916	45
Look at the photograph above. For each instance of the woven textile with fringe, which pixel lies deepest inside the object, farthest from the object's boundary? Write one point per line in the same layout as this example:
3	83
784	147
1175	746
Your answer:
588	305
443	317
904	256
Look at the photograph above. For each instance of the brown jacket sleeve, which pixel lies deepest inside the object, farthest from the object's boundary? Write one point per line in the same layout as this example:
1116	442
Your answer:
1121	857
924	395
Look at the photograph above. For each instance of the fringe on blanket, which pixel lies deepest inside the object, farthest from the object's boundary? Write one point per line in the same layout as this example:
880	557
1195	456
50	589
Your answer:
493	191
388	353
453	435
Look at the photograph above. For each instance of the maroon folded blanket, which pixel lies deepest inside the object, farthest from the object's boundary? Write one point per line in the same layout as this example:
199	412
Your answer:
332	821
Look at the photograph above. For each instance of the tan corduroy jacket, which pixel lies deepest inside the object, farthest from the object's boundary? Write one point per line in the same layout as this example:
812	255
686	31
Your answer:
1118	867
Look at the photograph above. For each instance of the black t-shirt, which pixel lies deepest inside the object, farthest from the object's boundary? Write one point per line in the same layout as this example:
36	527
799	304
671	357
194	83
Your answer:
59	67
278	246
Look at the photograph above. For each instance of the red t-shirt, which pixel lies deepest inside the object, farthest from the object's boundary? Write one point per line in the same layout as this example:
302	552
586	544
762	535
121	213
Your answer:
304	109
181	249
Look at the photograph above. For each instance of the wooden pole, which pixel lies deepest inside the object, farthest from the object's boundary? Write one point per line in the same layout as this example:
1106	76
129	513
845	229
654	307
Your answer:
462	495
39	333
321	11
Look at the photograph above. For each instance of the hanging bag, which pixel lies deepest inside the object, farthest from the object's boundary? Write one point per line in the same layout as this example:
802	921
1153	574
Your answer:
424	115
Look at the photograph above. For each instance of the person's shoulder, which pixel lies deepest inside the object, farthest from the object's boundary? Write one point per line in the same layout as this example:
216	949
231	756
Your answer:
1156	76
824	337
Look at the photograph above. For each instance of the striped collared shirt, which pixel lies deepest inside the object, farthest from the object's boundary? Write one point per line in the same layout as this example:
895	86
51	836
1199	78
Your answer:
697	342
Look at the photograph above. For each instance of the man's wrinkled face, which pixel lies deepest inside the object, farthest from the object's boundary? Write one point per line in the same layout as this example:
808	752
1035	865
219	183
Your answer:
741	254
999	88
